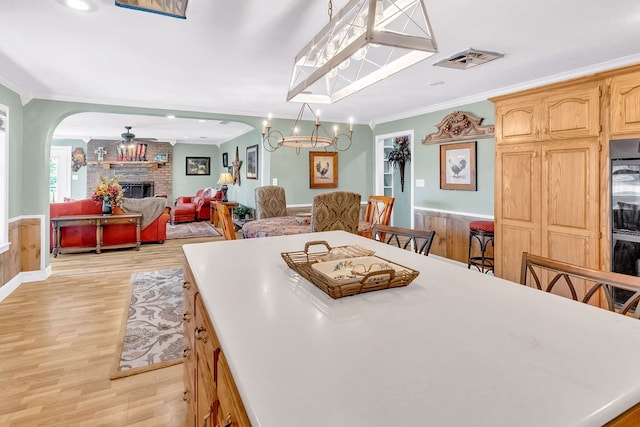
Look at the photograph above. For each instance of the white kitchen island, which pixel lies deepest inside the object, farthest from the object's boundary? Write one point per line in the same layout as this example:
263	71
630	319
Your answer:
454	348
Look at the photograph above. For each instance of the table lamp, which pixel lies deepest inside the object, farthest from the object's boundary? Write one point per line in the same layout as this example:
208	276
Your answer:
225	178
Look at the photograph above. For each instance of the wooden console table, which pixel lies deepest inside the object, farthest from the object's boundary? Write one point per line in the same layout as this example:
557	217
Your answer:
214	213
99	221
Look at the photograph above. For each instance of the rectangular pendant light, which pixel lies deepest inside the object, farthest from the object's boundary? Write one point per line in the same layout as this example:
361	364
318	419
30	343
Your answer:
367	41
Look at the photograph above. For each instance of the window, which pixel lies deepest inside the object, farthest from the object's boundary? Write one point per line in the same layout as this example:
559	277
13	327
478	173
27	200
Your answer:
4	179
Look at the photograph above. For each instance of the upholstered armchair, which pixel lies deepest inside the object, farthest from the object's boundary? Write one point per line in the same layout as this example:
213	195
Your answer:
336	210
196	208
270	202
203	200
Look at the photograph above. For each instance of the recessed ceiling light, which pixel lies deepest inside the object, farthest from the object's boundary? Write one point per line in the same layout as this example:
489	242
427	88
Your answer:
171	116
202	121
81	5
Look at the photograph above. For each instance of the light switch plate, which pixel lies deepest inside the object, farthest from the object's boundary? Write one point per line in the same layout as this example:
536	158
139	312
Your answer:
419	182
274	181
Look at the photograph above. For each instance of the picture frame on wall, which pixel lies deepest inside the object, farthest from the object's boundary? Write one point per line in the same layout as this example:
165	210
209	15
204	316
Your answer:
458	166
161	157
323	169
225	160
252	162
198	166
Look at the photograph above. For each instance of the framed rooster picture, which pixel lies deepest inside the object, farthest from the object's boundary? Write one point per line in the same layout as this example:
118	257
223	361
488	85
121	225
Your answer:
458	166
323	169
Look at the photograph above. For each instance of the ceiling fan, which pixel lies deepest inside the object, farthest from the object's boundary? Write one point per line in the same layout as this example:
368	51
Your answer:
128	137
131	148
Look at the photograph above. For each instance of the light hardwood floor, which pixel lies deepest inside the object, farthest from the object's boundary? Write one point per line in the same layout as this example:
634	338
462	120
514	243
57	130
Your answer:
58	343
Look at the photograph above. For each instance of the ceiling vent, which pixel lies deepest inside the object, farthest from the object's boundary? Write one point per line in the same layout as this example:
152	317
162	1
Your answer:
469	58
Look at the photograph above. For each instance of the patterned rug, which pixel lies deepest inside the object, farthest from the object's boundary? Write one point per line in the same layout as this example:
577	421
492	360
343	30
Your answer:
152	329
186	230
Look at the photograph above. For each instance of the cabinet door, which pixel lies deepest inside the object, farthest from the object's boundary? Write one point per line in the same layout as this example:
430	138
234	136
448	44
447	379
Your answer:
572	113
625	104
517	207
206	396
231	411
570	216
517	120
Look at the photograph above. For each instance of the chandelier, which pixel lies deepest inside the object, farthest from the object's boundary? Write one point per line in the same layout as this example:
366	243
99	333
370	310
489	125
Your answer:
273	139
367	41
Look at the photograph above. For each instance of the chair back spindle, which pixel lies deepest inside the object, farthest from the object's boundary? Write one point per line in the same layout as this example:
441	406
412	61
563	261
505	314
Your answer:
406	238
596	283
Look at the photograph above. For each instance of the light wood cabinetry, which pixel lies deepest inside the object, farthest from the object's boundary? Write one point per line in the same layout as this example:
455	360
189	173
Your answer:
625	103
210	390
552	168
547	177
517	120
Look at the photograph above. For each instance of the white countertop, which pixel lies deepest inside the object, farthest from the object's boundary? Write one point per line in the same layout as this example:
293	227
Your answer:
454	348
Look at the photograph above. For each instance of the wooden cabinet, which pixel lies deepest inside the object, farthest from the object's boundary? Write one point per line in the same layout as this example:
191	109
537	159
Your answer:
625	103
563	113
517	120
517	206
210	390
547	177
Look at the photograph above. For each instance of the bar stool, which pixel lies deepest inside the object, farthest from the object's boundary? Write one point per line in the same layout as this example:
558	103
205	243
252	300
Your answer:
483	232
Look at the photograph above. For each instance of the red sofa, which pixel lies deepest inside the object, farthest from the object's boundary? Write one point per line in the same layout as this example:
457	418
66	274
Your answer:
196	208
85	235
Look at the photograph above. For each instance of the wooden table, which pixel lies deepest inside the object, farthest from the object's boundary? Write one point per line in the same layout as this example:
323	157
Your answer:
214	213
99	221
454	348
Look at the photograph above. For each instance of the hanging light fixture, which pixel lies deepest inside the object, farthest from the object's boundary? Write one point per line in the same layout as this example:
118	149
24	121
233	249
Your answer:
273	139
367	41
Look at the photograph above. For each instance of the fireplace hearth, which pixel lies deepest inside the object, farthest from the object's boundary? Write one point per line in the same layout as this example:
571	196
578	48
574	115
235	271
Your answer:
137	190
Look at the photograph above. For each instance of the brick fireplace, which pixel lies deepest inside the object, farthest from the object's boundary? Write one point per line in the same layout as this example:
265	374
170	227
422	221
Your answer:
142	179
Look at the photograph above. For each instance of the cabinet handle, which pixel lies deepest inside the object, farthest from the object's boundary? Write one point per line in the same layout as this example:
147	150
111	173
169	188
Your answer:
185	397
205	419
186	353
186	285
202	337
186	317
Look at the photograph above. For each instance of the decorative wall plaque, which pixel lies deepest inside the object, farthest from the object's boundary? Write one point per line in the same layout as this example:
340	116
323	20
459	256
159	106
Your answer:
459	126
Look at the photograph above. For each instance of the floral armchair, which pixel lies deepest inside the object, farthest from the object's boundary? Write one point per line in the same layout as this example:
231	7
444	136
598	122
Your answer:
196	208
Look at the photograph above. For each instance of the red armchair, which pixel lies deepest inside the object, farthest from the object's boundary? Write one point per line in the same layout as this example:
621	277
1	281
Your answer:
196	208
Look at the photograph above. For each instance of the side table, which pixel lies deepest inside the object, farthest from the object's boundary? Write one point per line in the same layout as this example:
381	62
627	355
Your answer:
214	213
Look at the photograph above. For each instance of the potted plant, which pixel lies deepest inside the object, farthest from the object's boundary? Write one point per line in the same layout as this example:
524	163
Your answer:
241	211
399	156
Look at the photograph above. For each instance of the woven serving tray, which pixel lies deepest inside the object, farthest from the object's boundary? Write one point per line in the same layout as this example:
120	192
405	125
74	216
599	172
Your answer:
302	261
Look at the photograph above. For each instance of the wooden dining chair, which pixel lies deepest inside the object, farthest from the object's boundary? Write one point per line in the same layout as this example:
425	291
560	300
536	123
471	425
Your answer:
581	283
406	238
378	211
226	222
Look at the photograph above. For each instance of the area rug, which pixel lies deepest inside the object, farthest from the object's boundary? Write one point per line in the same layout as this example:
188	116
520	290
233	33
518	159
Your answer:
188	230
151	335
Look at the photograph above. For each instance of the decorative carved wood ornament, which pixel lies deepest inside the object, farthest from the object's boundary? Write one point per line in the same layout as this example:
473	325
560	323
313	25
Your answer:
459	126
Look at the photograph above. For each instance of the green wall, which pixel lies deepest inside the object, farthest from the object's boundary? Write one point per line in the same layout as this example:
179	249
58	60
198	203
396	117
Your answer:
187	185
426	163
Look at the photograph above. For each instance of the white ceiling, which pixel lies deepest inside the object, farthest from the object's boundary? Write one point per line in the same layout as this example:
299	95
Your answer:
236	56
